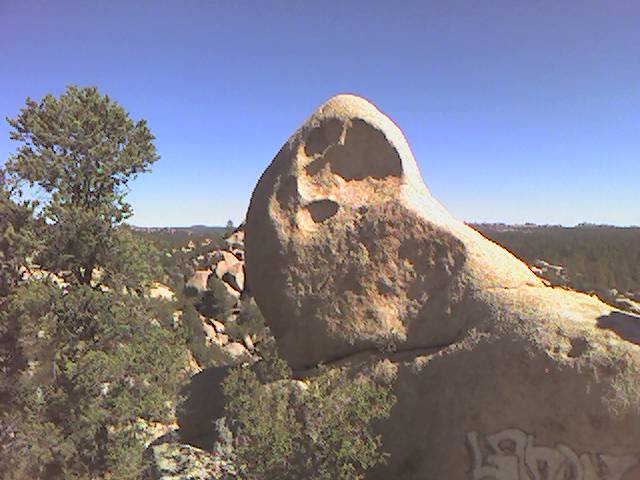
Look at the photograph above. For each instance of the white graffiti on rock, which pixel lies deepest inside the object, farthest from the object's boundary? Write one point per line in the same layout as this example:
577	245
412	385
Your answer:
513	455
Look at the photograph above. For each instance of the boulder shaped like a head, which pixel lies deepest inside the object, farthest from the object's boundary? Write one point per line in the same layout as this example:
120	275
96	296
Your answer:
347	251
496	375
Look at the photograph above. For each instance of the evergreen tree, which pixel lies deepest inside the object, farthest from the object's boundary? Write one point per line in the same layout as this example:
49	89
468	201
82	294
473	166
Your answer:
85	364
228	229
79	152
16	239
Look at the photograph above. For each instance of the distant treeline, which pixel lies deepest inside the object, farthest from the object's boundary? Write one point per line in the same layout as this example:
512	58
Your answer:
596	258
170	238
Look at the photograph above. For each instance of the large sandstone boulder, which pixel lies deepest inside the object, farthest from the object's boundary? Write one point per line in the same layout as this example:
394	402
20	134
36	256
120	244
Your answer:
497	375
348	251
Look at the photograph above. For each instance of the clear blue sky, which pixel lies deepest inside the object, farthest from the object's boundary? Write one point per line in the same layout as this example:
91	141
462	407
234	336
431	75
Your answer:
516	110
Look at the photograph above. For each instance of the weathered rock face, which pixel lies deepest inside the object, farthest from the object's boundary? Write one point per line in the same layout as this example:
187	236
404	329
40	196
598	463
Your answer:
348	251
497	375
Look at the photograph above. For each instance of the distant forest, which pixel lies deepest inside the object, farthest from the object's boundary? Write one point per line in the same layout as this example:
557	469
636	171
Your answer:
596	258
168	238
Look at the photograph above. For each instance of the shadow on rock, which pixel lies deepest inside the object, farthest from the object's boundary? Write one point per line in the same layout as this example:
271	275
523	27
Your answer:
203	404
625	325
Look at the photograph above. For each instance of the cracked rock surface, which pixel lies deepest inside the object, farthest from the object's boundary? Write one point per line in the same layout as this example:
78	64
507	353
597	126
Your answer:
347	253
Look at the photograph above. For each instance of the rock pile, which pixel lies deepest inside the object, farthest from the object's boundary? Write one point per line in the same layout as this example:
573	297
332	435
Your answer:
497	375
168	459
186	452
227	265
554	274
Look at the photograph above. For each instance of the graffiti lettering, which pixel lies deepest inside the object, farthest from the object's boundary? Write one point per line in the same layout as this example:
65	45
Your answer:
513	455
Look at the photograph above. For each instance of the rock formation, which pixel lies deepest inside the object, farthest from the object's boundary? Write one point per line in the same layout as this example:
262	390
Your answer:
198	280
497	375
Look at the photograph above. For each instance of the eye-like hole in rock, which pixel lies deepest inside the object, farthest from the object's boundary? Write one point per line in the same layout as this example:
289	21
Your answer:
366	152
320	210
320	138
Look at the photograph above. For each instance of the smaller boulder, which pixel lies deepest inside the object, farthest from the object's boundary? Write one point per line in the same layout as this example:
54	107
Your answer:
198	280
236	239
236	350
210	333
158	290
219	326
228	260
234	277
248	342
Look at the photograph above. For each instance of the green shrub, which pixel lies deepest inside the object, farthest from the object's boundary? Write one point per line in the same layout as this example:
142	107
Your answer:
316	430
249	322
163	311
195	338
83	366
94	366
215	301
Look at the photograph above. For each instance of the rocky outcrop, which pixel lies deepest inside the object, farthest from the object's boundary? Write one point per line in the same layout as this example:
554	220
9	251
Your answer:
497	375
203	404
198	280
234	277
218	281
158	290
227	261
168	459
236	239
237	351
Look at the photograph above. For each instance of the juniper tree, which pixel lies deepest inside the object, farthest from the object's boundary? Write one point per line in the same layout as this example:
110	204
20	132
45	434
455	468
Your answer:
78	152
86	365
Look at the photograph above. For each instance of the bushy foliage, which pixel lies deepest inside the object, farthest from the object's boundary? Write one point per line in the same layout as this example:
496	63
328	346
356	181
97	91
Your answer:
318	430
79	152
263	418
215	301
94	366
195	338
83	148
129	262
249	322
17	239
84	362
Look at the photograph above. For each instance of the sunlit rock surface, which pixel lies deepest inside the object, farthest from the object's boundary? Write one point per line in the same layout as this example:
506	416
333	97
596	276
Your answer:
497	375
